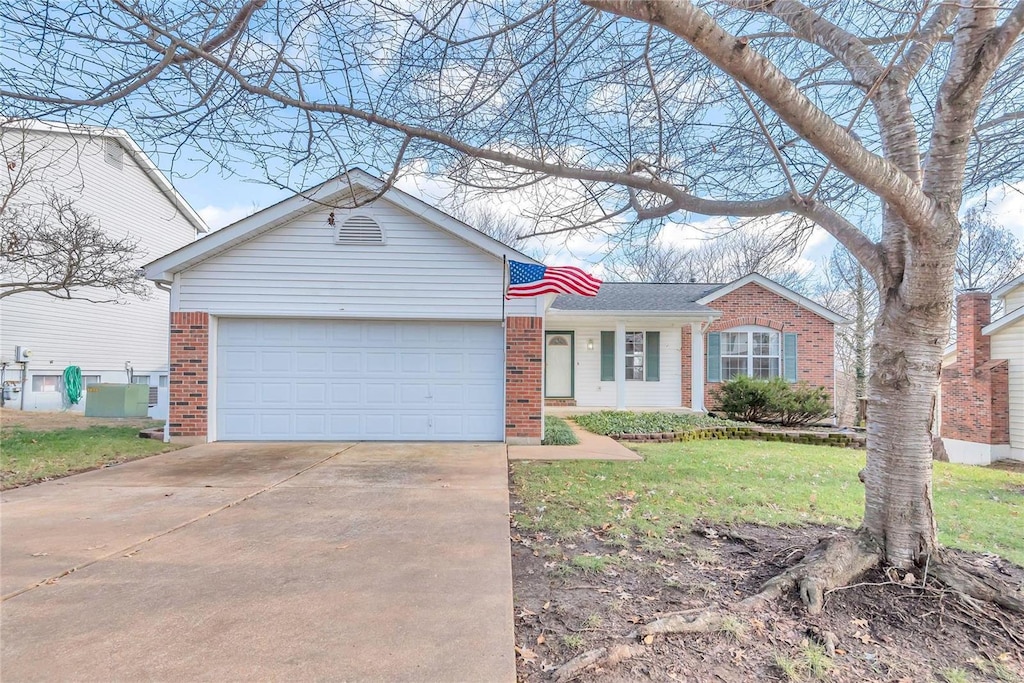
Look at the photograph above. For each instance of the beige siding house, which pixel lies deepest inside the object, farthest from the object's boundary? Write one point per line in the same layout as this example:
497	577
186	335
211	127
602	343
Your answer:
981	403
109	177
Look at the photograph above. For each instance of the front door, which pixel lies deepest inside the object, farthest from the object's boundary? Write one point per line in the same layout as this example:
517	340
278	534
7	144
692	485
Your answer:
558	365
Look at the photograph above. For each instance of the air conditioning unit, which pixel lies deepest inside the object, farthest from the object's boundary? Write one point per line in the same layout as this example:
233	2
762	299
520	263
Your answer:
22	354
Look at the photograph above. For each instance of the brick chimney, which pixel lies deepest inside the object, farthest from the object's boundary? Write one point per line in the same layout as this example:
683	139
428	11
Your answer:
975	389
973	312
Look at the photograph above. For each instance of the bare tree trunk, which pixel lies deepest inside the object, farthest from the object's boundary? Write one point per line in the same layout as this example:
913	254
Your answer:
906	353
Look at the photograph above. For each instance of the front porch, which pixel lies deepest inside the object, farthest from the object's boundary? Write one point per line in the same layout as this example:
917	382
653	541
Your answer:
569	411
600	362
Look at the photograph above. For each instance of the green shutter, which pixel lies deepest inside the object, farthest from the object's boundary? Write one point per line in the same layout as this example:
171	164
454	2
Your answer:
714	357
789	357
652	369
607	356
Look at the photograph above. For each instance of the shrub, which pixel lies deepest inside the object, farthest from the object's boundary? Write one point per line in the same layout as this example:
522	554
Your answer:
751	400
557	432
773	400
625	422
804	404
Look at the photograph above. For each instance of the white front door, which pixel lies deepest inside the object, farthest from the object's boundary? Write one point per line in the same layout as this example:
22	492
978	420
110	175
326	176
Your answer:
558	365
320	380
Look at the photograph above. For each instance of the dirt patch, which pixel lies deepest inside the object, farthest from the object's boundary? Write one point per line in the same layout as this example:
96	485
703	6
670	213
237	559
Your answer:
1008	465
591	593
43	421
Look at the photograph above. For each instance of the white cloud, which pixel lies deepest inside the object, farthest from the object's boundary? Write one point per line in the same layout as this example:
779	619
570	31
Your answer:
218	216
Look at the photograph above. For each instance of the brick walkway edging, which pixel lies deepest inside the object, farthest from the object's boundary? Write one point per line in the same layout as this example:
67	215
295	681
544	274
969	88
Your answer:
835	439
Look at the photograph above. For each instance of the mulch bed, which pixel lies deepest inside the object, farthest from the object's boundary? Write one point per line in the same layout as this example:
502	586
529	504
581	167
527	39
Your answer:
565	606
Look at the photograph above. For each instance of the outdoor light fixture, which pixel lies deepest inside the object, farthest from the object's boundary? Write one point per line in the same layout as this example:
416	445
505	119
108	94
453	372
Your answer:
590	345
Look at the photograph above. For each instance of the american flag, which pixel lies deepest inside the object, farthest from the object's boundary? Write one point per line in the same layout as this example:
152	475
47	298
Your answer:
526	279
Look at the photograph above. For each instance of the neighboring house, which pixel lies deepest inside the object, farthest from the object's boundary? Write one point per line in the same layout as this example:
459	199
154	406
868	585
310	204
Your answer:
981	402
388	322
108	176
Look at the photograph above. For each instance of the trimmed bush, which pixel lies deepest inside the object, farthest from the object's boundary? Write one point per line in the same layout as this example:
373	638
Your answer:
625	422
804	404
773	400
557	432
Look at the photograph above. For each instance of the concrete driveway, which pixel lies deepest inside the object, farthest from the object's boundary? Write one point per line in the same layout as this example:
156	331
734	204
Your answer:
346	562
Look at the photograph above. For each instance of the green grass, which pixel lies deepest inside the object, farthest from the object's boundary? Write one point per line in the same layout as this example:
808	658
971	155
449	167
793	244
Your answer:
626	422
978	509
557	432
30	456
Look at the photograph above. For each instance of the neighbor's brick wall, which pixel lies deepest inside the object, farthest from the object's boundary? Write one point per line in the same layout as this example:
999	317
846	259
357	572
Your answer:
524	377
975	389
189	374
752	304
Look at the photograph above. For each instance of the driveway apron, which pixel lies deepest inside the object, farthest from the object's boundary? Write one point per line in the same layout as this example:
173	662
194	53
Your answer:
350	562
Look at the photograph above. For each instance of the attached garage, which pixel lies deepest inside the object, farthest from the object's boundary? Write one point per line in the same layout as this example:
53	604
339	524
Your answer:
341	380
342	314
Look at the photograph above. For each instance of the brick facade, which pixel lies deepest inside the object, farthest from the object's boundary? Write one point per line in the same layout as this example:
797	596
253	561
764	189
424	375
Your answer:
189	374
524	379
686	367
752	304
975	389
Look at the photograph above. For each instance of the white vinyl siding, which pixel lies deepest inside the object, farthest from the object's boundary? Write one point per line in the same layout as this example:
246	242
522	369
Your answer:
1014	299
297	269
591	392
285	379
95	336
1009	343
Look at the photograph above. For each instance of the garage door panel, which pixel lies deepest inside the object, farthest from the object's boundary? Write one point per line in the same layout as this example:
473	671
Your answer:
381	362
347	380
311	361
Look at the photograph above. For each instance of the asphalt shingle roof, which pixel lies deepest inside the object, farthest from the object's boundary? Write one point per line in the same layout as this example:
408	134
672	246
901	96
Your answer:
640	296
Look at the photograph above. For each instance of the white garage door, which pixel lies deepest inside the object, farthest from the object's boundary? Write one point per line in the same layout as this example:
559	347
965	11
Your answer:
311	380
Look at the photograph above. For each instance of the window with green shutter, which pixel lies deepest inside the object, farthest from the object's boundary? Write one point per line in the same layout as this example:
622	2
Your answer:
653	368
608	356
714	357
643	356
789	357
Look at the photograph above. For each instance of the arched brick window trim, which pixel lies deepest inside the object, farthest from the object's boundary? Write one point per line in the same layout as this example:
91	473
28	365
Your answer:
730	323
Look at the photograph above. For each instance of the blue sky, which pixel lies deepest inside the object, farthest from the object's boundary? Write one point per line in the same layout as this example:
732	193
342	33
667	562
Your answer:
222	199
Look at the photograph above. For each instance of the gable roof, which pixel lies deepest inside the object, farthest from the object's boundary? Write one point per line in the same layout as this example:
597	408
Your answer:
154	174
639	298
1013	284
775	287
679	298
348	187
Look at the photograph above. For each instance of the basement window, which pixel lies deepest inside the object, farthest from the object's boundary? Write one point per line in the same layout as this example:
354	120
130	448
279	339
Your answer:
359	230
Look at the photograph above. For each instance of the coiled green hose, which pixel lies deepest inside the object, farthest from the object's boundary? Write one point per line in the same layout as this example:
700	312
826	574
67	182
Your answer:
73	384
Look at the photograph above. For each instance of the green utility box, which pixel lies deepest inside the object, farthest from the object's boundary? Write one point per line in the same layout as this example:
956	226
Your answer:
117	400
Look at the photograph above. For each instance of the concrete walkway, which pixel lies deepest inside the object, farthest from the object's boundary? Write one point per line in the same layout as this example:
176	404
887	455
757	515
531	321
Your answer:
279	561
590	447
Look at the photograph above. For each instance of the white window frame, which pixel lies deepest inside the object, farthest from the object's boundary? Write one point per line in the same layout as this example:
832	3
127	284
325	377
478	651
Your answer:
58	384
632	367
136	378
749	356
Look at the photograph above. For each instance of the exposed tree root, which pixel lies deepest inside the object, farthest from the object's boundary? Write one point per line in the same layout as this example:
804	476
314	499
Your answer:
835	561
603	656
832	564
976	583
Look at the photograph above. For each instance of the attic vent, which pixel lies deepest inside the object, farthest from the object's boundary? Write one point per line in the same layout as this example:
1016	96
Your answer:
359	230
113	153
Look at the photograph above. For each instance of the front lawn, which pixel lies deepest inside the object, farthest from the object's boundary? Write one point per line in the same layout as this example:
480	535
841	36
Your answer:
769	483
31	456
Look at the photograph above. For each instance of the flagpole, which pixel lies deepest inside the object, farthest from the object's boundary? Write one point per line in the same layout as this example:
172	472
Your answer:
504	286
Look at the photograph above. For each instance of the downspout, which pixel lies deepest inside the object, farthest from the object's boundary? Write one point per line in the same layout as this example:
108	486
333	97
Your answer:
166	287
